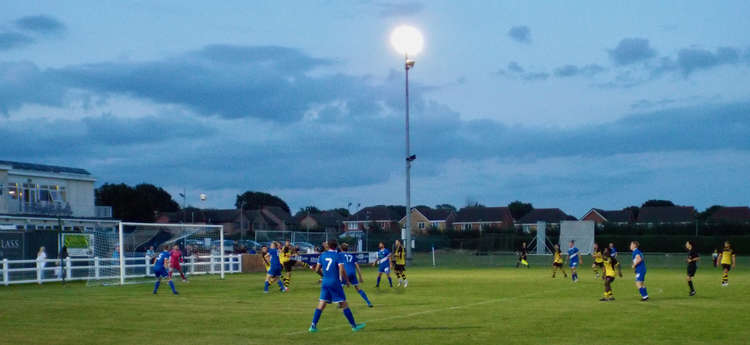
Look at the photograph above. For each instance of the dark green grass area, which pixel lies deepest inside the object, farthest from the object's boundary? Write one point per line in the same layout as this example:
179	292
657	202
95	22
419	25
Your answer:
440	306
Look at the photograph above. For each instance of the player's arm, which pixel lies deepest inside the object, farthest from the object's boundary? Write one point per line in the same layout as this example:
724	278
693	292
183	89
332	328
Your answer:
316	268
342	273
637	260
359	272
734	260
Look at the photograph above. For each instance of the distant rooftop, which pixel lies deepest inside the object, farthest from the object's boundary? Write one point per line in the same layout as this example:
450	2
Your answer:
44	168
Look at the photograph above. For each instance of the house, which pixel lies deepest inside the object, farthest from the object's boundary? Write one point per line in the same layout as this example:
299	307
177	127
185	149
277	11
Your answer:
666	215
267	218
424	218
328	221
378	217
37	189
736	214
478	218
600	216
551	216
35	198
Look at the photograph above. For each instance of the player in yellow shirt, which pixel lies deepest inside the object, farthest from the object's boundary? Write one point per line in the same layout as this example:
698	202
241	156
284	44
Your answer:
557	262
285	257
608	267
728	261
399	263
264	256
598	264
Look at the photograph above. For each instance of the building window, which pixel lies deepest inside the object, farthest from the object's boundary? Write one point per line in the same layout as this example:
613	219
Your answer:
352	226
467	227
420	225
435	224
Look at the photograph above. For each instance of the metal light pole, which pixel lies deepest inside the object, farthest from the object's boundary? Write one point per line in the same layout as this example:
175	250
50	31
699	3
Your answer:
407	41
407	66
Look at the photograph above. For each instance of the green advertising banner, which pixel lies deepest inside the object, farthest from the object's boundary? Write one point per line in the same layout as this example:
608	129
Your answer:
79	244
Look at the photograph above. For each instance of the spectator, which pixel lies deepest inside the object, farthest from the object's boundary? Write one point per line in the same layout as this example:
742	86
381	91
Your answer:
41	256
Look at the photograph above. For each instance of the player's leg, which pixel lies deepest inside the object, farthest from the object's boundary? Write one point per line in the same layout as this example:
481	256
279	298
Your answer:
171	285
182	274
642	289
390	281
403	275
316	316
267	283
725	276
594	268
554	270
350	317
363	294
377	282
607	289
158	282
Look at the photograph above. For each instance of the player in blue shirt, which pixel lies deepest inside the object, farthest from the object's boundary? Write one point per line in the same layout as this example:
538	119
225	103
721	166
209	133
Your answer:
353	272
639	265
161	270
574	259
332	263
613	255
384	264
274	271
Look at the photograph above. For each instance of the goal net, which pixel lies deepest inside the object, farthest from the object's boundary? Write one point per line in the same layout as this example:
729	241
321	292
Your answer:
581	231
125	254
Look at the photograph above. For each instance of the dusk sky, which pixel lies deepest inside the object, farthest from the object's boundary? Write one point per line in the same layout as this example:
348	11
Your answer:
562	104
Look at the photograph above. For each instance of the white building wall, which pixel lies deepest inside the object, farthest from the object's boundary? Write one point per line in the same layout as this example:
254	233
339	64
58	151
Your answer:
4	194
81	198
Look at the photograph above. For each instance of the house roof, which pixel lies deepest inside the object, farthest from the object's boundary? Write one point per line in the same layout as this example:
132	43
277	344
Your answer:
549	215
615	216
203	216
732	214
484	214
373	213
667	214
434	214
325	219
44	168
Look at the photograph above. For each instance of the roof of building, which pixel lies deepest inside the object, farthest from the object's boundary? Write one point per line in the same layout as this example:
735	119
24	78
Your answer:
373	213
549	215
484	214
44	168
271	212
325	219
434	214
615	216
732	214
666	214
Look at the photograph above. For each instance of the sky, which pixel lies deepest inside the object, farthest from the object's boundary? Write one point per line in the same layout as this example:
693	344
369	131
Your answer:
568	105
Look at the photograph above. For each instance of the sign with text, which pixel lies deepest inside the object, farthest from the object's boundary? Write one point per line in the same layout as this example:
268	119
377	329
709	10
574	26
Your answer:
79	244
11	245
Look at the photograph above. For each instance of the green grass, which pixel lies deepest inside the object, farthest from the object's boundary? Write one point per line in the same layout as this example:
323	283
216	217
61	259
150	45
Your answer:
440	306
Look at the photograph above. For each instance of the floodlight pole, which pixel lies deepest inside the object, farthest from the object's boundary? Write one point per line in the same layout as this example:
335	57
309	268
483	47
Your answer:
408	65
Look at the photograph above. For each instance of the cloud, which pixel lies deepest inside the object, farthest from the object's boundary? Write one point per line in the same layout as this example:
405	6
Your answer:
40	24
11	40
631	50
520	33
514	70
389	9
24	83
567	71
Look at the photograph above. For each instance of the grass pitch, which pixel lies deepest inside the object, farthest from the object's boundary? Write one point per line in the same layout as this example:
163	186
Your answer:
440	306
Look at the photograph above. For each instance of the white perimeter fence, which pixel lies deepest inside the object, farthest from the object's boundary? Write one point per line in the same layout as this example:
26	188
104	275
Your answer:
45	271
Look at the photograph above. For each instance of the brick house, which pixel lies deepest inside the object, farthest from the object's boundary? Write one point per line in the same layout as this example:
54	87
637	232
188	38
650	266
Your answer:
477	218
423	218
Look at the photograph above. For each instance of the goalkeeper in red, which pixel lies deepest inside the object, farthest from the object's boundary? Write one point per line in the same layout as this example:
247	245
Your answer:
175	258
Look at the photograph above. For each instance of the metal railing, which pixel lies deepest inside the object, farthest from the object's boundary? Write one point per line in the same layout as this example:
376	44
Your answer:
38	271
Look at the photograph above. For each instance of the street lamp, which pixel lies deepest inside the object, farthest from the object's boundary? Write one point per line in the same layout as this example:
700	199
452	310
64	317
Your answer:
407	41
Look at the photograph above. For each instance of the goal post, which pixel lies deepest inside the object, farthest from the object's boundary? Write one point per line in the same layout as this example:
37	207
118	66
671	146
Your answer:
123	255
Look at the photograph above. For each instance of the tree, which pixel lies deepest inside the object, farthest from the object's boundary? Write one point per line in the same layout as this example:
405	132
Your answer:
446	207
257	200
658	203
519	209
708	212
157	197
308	210
135	204
342	211
634	210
